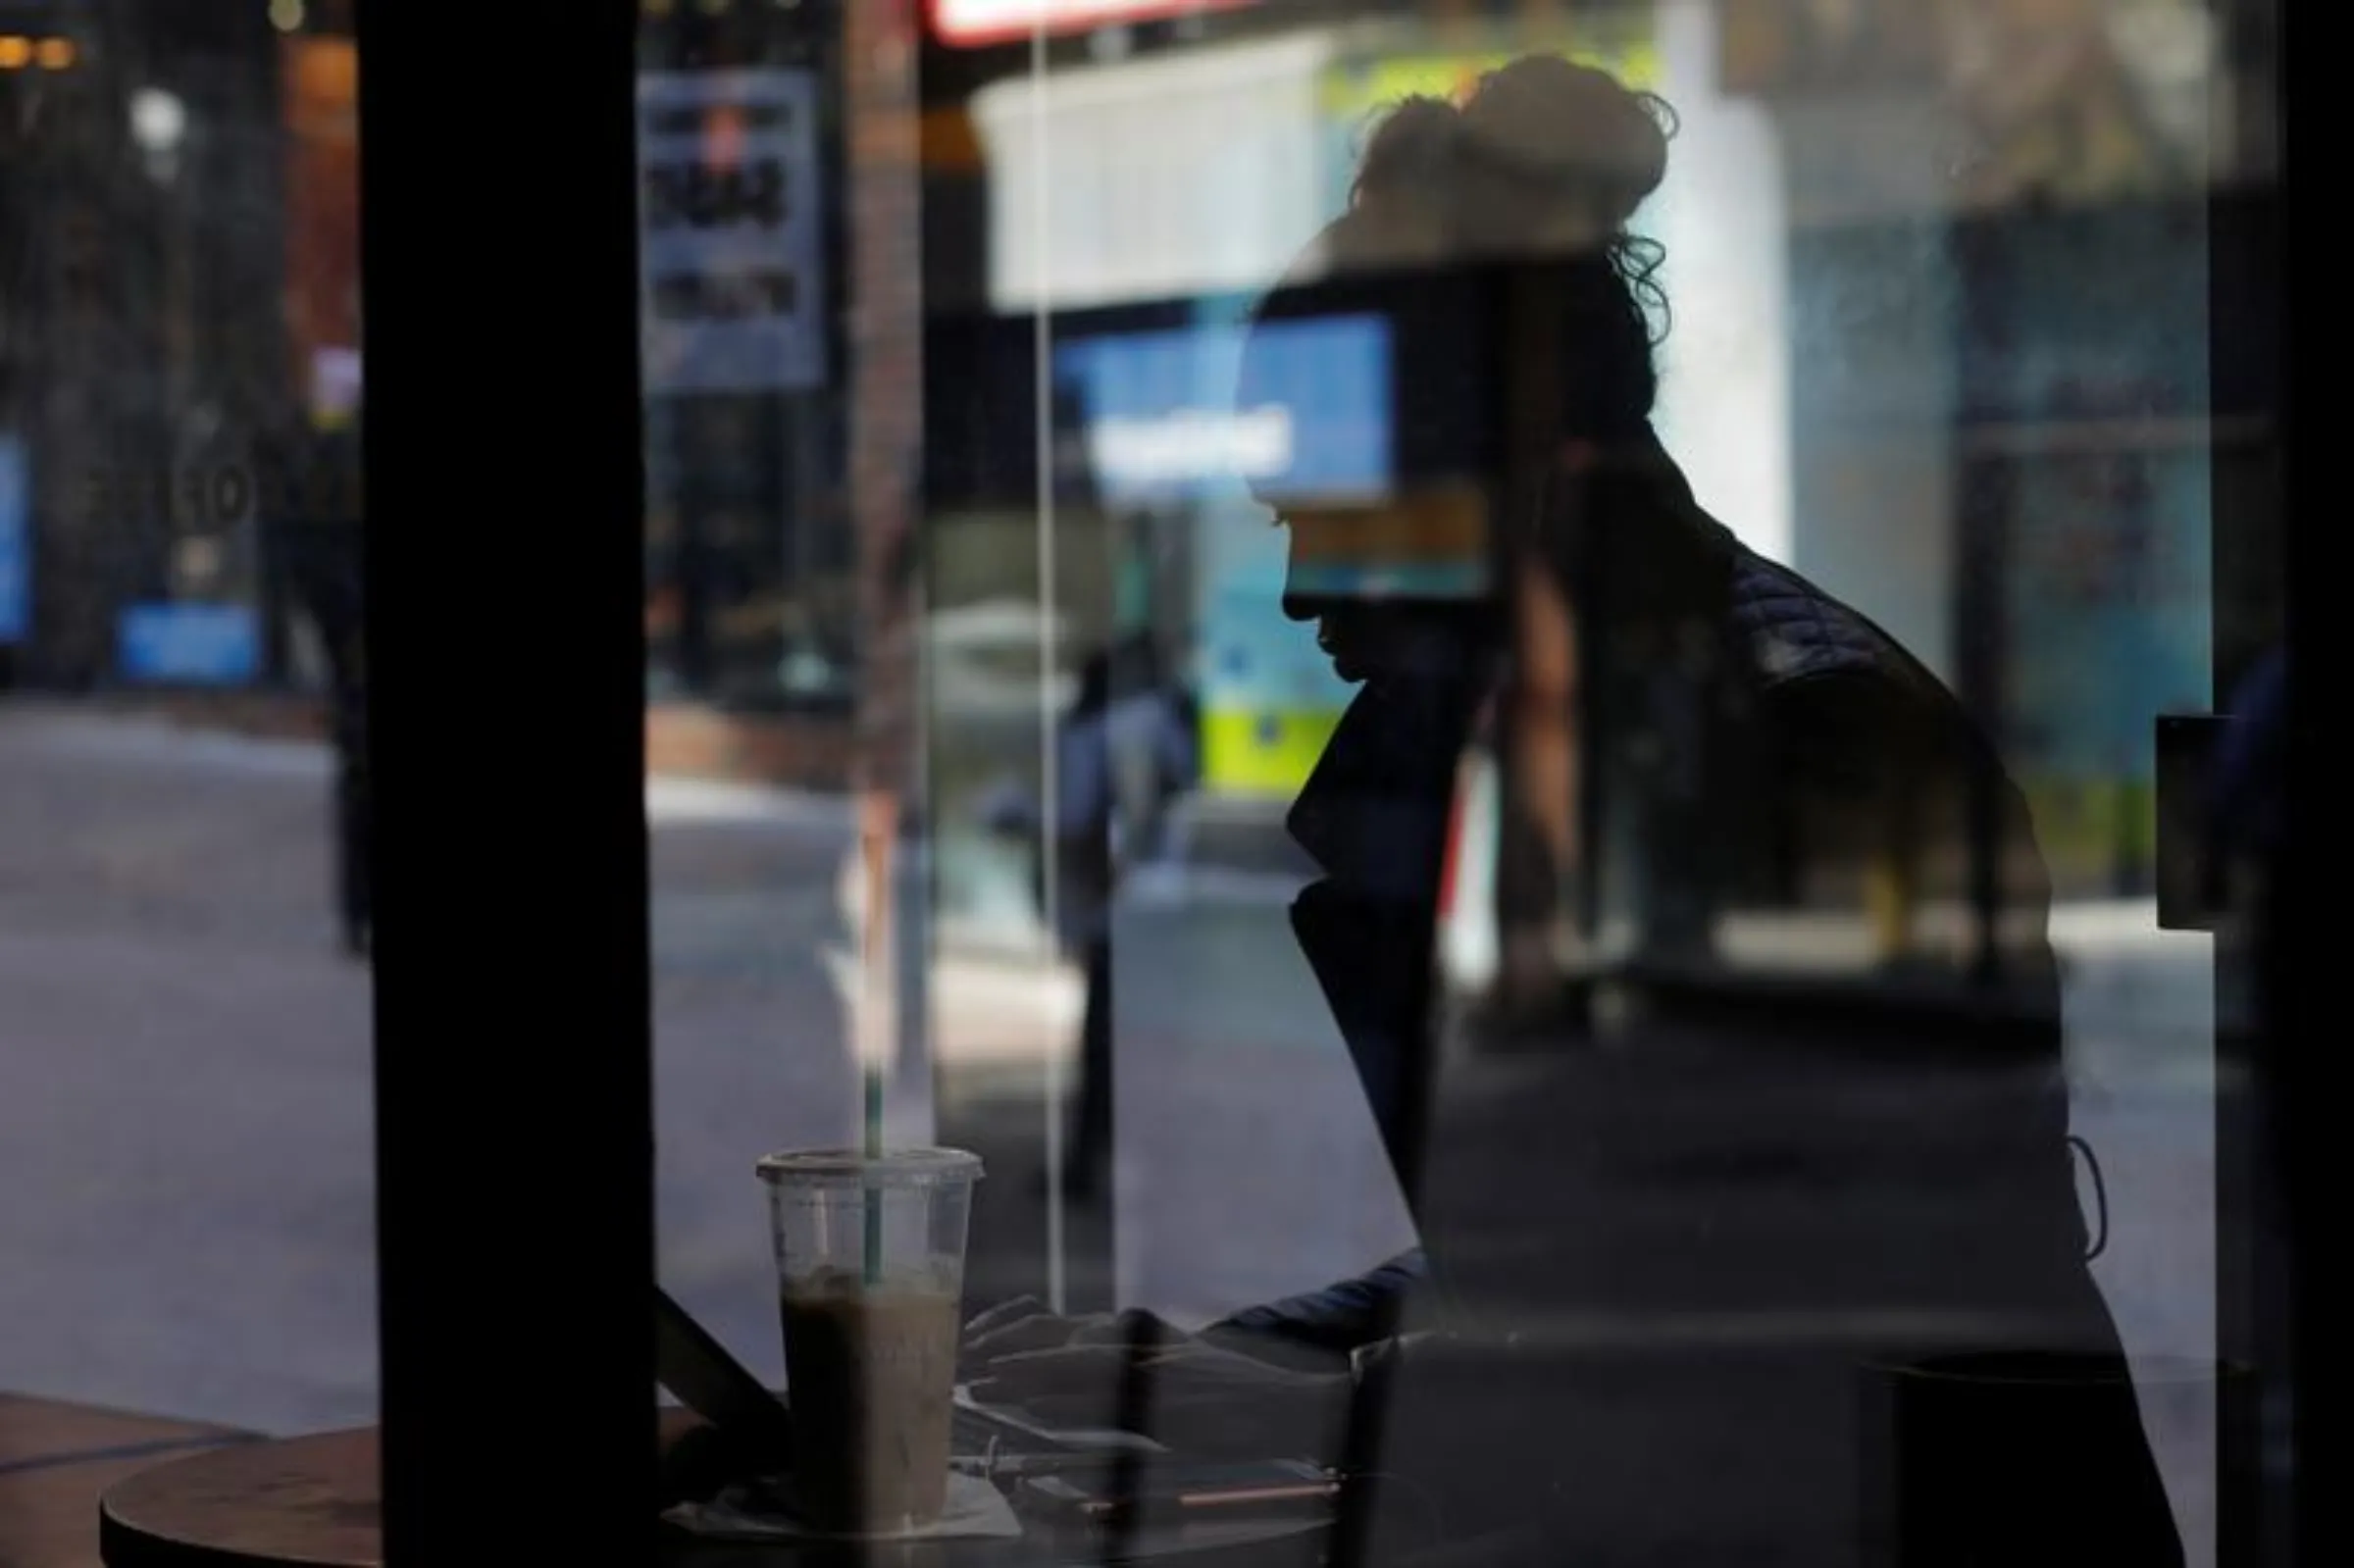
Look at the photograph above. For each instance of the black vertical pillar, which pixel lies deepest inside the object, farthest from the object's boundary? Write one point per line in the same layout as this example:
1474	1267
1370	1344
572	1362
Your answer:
2252	585
2301	956
506	667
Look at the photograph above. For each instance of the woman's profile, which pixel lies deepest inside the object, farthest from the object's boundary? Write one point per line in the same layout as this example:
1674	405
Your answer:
1651	1280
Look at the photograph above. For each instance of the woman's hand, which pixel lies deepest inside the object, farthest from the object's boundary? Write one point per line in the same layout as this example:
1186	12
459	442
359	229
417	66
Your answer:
1132	1372
1023	1326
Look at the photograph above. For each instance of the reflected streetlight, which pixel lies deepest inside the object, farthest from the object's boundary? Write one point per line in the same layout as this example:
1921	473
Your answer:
159	123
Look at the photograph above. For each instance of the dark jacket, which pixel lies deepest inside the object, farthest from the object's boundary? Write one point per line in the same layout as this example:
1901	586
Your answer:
1868	1212
1860	748
1834	748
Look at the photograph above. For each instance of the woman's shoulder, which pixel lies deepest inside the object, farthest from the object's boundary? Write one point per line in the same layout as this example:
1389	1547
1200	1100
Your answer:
1792	629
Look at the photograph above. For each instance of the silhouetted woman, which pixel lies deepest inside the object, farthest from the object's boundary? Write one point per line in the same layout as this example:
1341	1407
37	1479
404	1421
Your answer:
1708	714
1655	1281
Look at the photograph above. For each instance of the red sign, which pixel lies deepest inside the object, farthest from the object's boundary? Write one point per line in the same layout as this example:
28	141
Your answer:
975	22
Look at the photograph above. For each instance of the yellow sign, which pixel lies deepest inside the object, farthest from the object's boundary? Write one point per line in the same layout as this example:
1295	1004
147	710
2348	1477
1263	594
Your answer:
1373	85
1247	751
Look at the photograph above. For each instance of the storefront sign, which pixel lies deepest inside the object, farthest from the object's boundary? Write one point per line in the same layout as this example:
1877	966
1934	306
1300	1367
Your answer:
729	216
1270	698
16	516
978	22
1195	420
193	645
1174	415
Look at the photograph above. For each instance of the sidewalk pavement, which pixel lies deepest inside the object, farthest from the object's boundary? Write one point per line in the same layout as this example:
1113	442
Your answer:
683	738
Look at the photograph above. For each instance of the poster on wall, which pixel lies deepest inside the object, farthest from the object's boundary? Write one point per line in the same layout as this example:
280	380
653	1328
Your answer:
730	227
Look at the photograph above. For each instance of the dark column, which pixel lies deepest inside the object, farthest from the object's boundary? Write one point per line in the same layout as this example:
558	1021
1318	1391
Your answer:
506	658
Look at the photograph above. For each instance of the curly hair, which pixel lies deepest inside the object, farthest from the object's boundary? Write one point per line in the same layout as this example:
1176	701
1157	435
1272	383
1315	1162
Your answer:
1543	156
1542	165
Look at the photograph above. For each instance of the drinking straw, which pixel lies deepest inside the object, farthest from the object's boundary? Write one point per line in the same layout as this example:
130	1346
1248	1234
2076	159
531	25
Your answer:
881	827
874	1194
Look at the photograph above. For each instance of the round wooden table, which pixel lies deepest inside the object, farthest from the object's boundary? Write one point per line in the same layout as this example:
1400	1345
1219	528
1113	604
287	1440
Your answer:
316	1502
312	1501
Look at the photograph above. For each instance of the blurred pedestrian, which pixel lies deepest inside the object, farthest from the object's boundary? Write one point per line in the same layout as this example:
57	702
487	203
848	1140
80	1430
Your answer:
1124	752
320	546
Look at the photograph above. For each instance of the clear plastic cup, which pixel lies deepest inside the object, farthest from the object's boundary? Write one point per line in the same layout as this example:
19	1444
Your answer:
870	1276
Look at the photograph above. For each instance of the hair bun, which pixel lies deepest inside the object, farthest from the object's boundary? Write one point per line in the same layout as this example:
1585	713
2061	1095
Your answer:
1545	158
1571	127
1413	155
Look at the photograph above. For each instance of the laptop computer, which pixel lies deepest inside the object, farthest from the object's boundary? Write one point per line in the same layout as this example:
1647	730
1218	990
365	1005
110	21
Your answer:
700	1374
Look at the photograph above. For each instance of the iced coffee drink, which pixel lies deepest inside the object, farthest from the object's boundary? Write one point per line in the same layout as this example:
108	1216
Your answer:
870	1254
874	1370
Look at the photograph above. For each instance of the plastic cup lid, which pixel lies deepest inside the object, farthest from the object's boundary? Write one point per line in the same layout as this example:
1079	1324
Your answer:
849	1167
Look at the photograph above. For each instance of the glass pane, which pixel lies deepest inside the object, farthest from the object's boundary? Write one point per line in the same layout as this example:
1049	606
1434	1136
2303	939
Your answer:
1541	679
185	1051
